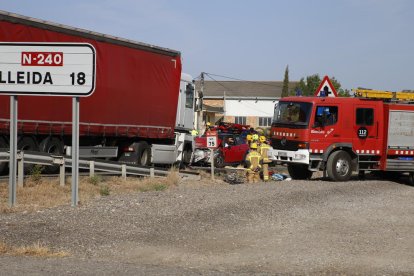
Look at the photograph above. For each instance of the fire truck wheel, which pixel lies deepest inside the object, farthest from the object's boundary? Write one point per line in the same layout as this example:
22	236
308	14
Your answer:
53	146
411	179
5	145
144	154
219	161
299	171
339	166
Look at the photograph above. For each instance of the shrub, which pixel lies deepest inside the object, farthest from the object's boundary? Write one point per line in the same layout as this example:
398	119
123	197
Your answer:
36	173
94	180
104	190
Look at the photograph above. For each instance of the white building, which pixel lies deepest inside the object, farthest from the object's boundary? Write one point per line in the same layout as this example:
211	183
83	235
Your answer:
243	102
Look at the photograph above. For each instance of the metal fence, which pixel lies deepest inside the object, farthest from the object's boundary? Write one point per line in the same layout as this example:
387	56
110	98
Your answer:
44	159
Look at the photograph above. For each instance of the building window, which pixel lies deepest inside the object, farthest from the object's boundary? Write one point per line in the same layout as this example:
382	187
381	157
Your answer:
240	120
265	121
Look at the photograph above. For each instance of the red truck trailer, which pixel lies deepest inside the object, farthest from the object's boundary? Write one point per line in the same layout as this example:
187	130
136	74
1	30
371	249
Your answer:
140	113
343	135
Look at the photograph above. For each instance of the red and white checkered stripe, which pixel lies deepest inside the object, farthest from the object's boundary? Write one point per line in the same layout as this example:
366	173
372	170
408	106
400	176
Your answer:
316	150
365	151
285	134
401	152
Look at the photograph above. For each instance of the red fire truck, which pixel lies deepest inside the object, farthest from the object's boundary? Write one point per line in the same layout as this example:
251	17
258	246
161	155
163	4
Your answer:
340	136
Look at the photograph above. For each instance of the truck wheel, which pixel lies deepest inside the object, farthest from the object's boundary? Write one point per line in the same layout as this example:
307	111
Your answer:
187	156
143	153
299	171
411	179
27	143
3	145
51	145
219	161
339	166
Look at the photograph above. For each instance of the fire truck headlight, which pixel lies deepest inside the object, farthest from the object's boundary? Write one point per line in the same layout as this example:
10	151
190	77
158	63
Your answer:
303	145
299	156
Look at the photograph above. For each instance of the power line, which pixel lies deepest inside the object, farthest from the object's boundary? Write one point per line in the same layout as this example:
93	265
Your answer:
236	79
218	82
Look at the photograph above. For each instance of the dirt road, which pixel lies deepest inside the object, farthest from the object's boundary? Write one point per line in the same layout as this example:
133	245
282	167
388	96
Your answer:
290	227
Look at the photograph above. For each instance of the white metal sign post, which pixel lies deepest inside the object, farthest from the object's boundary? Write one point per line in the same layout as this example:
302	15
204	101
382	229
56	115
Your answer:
75	151
212	144
46	69
13	151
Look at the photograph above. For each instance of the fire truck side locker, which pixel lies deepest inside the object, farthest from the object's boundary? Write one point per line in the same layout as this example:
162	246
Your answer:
400	140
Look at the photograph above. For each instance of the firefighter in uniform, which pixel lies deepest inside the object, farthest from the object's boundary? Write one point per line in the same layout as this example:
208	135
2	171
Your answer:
253	160
249	139
255	138
263	150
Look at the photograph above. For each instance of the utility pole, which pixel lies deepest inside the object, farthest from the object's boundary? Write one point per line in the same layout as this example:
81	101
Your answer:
201	115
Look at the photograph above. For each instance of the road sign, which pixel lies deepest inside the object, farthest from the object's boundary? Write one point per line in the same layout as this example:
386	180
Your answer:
212	142
48	69
326	89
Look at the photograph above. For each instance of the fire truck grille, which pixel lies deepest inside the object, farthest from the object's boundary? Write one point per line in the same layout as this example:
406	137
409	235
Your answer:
284	144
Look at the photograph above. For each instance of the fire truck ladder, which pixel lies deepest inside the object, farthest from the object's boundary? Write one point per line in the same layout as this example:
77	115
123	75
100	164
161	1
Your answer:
384	95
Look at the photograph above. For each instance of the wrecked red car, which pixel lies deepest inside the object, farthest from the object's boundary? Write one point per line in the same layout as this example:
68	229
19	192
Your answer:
231	151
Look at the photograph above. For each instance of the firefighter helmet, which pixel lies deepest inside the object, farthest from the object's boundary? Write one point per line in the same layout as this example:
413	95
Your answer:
253	146
255	137
249	137
262	139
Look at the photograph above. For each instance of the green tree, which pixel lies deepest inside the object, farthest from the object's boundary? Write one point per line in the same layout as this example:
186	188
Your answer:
285	89
308	87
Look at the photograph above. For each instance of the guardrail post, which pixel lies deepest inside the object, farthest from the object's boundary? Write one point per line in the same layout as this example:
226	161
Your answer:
60	160
62	174
91	168
20	169
152	174
124	174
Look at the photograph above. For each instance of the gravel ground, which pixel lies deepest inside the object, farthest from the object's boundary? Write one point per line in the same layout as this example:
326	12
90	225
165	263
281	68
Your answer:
289	227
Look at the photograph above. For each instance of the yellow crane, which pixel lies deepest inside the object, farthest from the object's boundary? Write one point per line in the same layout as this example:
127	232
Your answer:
381	94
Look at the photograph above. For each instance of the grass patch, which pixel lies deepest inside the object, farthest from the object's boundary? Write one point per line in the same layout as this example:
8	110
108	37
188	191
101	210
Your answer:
36	250
36	173
47	193
95	180
160	187
104	190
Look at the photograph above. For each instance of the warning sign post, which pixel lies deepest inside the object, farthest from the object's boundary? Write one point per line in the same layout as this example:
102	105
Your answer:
326	89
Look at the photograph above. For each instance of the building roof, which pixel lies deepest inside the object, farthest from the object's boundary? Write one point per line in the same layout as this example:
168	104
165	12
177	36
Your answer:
259	89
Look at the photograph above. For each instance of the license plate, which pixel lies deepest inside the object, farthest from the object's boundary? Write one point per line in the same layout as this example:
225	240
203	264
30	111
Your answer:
281	153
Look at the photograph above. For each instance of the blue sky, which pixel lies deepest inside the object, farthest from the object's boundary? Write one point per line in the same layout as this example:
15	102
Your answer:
368	43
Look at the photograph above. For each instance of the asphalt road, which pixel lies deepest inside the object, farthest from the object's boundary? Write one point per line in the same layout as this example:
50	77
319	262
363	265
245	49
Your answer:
290	227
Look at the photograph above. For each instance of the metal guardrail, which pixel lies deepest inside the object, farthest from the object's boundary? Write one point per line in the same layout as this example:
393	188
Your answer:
33	157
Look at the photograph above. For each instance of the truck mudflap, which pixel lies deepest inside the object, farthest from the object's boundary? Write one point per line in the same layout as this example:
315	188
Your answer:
300	156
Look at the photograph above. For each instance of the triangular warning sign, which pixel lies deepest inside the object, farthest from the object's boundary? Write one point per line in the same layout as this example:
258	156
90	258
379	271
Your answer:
326	89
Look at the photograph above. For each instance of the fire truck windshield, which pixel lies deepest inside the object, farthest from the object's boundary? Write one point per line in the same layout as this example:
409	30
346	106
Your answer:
295	114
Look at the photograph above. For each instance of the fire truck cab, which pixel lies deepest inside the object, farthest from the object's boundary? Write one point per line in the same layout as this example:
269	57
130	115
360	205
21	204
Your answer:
340	136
